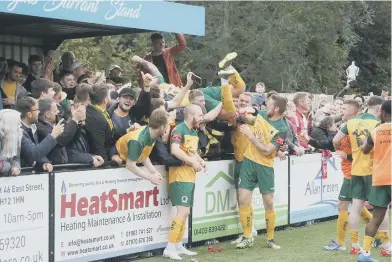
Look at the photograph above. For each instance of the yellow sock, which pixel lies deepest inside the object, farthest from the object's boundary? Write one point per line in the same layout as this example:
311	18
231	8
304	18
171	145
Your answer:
236	81
251	208
367	243
227	99
384	236
175	230
246	218
182	232
366	215
342	226
270	221
354	235
227	102
185	101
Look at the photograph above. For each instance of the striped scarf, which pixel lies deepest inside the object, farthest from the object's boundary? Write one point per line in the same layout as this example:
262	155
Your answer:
105	115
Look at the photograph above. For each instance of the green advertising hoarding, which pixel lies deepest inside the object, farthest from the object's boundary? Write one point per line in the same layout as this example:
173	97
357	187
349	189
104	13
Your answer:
215	211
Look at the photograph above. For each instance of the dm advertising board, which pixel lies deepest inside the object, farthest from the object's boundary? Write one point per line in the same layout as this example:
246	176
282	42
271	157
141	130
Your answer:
109	213
215	211
24	218
313	196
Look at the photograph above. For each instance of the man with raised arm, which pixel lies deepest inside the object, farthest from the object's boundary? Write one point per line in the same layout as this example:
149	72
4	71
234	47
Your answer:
163	58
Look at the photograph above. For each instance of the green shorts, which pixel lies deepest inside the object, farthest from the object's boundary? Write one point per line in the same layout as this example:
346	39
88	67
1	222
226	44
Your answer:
213	96
253	174
380	196
237	169
345	191
360	187
181	193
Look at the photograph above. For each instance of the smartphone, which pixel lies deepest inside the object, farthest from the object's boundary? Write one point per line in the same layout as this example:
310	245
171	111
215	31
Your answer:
61	121
197	79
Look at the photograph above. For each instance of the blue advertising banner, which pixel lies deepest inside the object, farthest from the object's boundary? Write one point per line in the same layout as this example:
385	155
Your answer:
148	15
313	196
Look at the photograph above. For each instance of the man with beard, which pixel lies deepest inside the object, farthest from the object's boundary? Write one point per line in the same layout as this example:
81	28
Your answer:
136	146
48	118
240	143
184	146
99	126
33	152
127	111
268	135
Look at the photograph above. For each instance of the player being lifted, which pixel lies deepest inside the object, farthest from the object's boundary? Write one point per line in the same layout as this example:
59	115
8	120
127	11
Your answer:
184	146
269	133
380	195
357	129
232	85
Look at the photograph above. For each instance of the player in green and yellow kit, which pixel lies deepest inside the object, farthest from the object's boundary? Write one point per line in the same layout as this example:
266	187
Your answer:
135	147
268	134
184	146
357	129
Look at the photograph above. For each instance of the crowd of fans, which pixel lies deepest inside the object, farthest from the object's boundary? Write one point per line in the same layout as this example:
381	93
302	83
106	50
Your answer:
58	115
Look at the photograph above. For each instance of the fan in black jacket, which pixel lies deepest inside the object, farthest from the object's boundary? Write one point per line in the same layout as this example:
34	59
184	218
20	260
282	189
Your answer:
135	114
322	136
46	121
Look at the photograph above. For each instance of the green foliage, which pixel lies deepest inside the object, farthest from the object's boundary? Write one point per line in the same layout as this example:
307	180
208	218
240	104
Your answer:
373	51
290	46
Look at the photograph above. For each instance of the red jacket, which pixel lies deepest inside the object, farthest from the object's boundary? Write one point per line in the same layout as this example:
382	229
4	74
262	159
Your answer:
298	122
168	55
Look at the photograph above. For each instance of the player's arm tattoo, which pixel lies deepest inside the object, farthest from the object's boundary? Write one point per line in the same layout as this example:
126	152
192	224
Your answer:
368	145
366	148
265	149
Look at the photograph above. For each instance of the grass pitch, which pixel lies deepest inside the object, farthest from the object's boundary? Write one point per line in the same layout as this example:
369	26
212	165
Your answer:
298	244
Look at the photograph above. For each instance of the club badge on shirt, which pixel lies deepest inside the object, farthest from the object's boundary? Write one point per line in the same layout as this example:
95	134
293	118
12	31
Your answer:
176	137
280	141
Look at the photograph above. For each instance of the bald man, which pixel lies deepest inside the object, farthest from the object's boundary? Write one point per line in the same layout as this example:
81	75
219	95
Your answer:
184	146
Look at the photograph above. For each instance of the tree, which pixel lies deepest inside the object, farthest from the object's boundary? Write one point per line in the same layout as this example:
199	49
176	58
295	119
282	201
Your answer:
290	46
372	53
